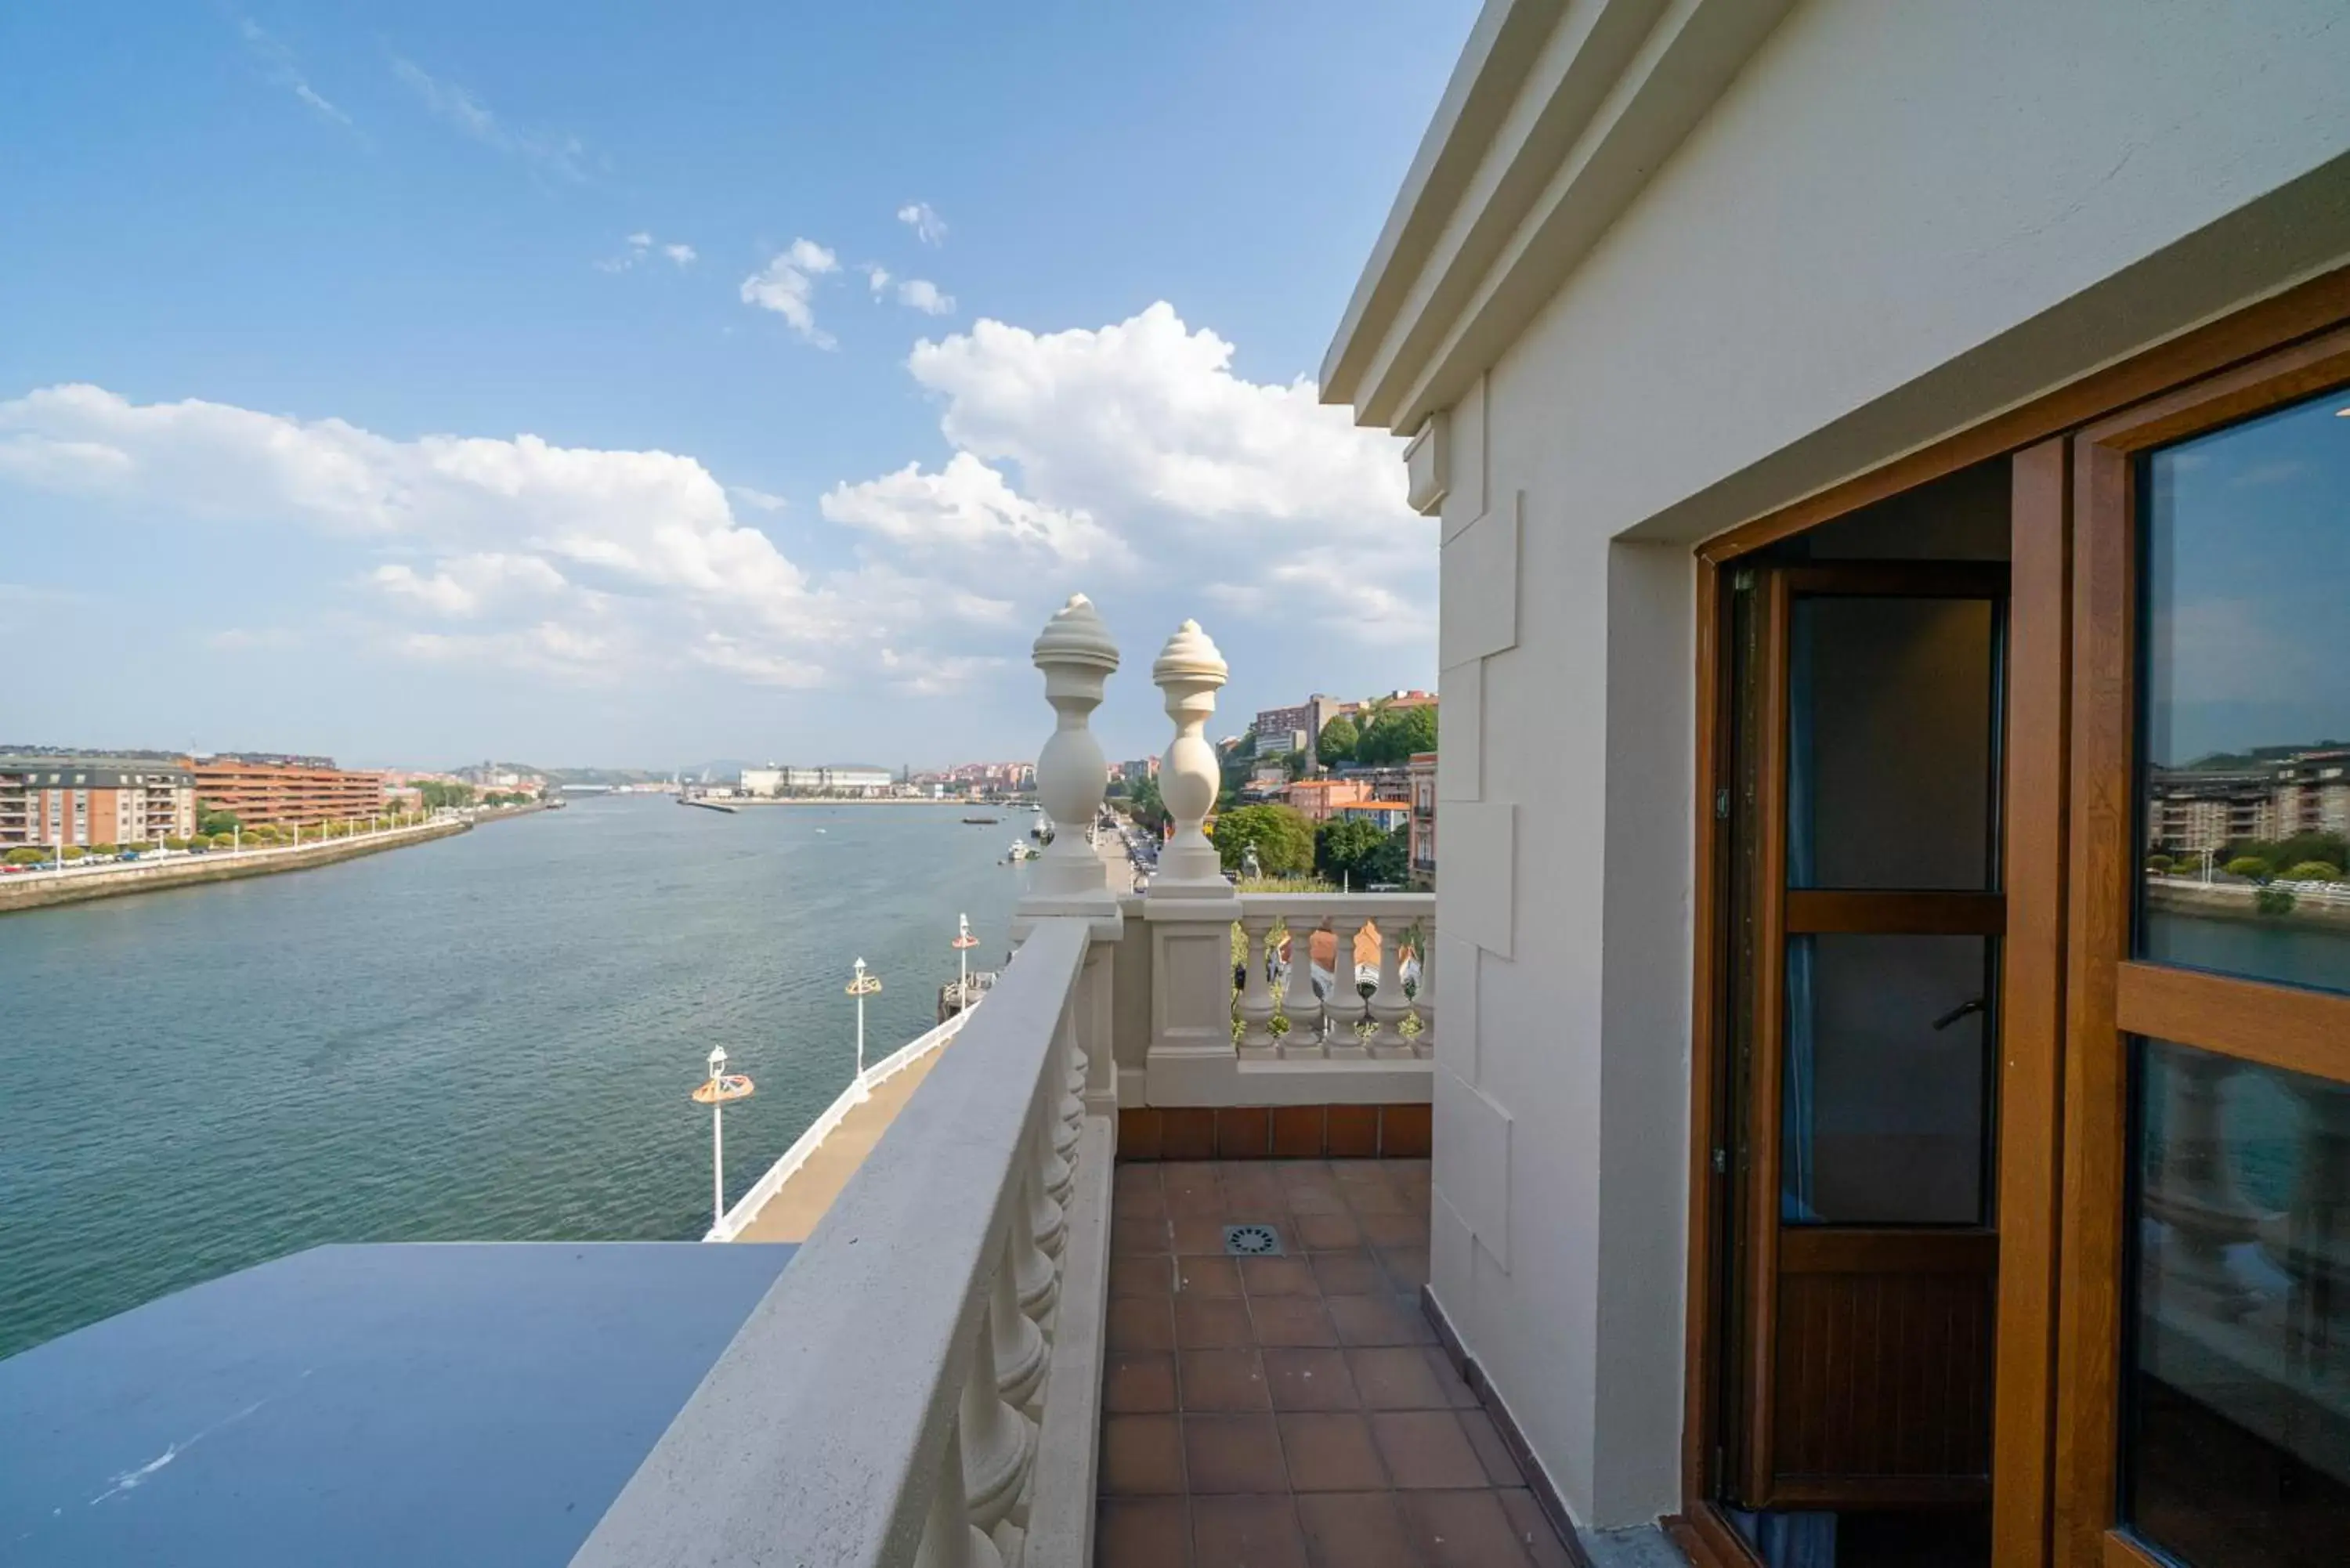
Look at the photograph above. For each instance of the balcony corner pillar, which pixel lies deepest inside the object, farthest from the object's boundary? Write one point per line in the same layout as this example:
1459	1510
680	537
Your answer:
1078	657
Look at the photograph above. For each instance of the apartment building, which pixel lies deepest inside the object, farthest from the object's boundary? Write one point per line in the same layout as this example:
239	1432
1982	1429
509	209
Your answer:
1422	795
1298	729
296	792
94	800
2189	810
1319	799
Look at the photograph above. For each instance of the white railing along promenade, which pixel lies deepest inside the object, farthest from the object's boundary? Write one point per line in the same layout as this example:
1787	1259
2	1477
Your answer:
746	1207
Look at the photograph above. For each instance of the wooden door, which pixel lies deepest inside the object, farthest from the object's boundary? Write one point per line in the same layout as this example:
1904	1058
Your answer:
1863	1083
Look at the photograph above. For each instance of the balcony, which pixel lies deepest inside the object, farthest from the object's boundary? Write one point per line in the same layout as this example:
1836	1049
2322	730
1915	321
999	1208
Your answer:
1015	1314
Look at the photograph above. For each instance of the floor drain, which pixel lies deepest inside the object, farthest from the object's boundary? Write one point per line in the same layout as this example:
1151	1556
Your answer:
1252	1241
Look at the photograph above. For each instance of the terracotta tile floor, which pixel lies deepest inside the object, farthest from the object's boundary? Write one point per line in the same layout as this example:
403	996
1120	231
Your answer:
1293	1411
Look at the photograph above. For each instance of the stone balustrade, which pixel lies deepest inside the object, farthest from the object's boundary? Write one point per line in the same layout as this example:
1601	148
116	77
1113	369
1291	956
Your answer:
2246	1297
922	1385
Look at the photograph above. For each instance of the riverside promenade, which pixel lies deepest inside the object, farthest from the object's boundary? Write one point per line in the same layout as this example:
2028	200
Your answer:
45	890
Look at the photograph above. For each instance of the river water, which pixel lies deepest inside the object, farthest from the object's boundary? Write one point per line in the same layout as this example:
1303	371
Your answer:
488	1037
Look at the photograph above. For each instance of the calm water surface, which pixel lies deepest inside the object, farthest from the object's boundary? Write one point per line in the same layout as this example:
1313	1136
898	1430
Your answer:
487	1037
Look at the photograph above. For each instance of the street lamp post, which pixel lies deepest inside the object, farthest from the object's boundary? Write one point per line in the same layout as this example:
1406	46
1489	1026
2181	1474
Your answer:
964	941
718	1137
861	987
719	1087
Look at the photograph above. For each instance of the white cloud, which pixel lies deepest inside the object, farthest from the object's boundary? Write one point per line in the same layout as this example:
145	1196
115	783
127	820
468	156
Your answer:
640	245
544	152
1143	423
285	71
926	297
1128	460
877	277
928	227
787	286
763	500
966	506
550	556
243	640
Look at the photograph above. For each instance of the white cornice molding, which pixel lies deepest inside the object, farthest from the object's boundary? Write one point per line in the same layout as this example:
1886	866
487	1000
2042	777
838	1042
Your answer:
1600	99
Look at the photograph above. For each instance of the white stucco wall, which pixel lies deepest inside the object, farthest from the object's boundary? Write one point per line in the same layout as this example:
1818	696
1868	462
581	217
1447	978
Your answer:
1903	215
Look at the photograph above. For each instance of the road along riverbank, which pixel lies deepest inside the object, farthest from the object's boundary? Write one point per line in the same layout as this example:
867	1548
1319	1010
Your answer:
36	890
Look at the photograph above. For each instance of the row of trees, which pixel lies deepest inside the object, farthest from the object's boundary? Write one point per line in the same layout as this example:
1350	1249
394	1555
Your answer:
1348	850
2304	857
218	830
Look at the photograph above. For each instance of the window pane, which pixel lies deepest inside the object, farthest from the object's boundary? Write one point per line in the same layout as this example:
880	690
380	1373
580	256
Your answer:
1882	1111
2245	741
1890	757
2236	1433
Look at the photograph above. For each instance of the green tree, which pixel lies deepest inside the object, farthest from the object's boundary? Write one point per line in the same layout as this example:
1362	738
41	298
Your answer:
1283	840
216	822
1391	861
2251	866
106	849
1342	847
75	852
1338	741
1147	808
2161	864
1395	733
26	854
175	842
2314	871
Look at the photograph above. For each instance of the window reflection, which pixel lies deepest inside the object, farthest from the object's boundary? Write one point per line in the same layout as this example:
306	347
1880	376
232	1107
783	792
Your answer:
2236	1444
2245	555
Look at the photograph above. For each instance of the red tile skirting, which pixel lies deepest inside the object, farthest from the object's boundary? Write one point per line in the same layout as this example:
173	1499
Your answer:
1187	1132
1272	1132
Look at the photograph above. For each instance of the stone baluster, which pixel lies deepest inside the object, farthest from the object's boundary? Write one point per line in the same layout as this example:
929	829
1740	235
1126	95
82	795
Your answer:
1298	1003
1344	1003
1036	1277
1423	1000
2311	1239
1070	1058
1257	1043
949	1540
1020	1355
1077	657
2192	1190
1388	1006
998	1442
1189	672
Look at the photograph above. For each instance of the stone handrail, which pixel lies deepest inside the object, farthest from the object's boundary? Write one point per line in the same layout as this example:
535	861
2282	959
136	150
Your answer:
746	1207
1339	1026
888	1400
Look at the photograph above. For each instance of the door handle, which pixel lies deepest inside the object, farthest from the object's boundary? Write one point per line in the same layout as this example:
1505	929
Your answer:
1974	1005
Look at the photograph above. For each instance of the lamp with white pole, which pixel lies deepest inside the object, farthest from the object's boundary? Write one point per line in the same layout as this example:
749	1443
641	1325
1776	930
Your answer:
861	987
964	941
719	1087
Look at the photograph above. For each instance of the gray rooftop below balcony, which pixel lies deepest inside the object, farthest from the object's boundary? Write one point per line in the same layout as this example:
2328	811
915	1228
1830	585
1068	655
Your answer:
443	1403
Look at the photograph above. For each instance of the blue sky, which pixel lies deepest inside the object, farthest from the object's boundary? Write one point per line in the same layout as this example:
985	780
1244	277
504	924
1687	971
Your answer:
595	387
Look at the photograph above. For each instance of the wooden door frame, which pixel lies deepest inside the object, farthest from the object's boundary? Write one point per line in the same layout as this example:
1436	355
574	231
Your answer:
2034	1073
2111	997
